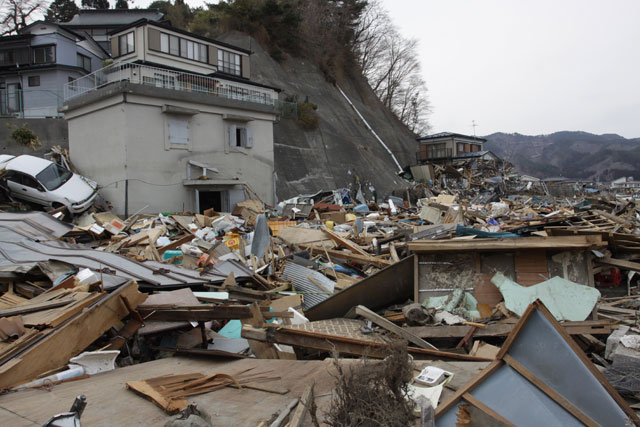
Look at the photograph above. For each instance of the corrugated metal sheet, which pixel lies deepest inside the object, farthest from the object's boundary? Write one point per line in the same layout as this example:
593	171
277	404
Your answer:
32	237
391	285
299	277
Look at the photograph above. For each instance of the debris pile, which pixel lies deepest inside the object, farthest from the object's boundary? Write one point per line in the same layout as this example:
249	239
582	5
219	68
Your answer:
473	271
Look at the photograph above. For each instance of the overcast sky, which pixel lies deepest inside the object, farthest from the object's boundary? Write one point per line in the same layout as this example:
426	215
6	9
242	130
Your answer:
530	67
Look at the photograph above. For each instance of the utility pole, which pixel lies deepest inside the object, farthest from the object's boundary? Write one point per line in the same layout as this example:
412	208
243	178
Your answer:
473	124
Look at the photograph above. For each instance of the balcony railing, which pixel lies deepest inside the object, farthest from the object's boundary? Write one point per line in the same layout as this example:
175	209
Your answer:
167	79
430	153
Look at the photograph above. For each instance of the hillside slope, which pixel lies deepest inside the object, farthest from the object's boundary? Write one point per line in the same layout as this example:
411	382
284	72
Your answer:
578	155
341	150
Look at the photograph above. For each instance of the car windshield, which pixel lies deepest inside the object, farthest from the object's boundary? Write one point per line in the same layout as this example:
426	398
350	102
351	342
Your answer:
53	176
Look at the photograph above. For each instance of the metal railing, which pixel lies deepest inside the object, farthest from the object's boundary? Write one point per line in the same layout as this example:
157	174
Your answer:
167	79
30	103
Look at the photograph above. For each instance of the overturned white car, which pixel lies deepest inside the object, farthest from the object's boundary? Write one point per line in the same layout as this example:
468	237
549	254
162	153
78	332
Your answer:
43	182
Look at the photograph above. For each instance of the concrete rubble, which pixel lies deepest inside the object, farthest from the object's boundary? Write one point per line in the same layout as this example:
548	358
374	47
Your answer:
457	268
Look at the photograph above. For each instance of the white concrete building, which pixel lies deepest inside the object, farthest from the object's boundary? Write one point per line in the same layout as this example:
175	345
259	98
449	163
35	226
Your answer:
173	132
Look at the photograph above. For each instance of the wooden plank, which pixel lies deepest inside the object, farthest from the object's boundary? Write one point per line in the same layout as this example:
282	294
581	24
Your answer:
58	316
262	350
343	345
30	308
206	313
617	310
546	389
55	349
176	244
171	406
361	259
345	243
555	242
283	414
629	265
390	326
393	252
484	408
303	406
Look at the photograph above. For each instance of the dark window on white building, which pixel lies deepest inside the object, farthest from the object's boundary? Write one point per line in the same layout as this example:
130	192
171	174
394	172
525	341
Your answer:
44	54
127	43
229	62
178	46
84	62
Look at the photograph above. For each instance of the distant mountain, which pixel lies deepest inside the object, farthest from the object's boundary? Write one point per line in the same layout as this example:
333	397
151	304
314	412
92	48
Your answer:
578	155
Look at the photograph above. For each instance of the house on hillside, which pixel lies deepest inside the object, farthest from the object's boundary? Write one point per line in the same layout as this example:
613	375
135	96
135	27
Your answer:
36	63
443	147
174	124
98	23
626	183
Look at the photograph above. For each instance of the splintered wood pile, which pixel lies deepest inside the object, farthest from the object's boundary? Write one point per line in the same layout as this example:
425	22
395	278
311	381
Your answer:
169	391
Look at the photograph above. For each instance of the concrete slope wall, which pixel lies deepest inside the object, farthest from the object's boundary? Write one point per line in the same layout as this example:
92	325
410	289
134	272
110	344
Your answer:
341	150
50	132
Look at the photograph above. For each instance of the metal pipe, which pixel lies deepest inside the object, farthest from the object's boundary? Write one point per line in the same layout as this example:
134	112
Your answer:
371	130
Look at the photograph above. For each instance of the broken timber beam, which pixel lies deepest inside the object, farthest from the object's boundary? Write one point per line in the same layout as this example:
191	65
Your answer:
343	345
203	313
593	327
177	243
54	349
363	311
345	243
629	265
554	242
361	259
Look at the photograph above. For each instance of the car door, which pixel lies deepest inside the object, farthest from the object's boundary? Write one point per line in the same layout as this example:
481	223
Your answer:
26	187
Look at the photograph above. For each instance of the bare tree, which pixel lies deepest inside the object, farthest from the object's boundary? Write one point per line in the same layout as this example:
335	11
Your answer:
390	64
17	14
369	44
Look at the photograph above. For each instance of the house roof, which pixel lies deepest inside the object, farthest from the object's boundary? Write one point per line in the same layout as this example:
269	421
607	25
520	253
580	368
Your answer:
112	17
16	37
142	22
450	135
25	30
79	35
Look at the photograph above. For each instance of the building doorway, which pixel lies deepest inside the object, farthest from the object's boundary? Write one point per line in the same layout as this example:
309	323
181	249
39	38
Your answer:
216	200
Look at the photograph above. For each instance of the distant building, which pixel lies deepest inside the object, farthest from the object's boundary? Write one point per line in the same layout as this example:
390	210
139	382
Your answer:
625	183
442	147
173	124
98	23
36	63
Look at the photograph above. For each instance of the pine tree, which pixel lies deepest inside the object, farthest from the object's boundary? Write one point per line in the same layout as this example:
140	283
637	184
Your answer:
96	4
61	11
